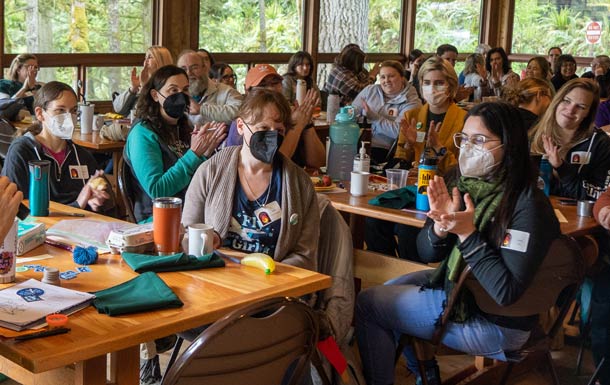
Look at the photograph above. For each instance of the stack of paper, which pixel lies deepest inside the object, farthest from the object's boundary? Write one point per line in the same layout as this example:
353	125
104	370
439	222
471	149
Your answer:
26	305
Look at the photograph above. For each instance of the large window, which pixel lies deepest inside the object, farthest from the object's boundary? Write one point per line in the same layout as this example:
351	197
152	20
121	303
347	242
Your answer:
539	25
66	26
250	26
455	22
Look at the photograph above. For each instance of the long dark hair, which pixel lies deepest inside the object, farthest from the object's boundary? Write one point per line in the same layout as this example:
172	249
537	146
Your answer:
149	111
515	169
298	59
505	61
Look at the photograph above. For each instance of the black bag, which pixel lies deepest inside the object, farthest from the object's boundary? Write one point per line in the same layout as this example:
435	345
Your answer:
7	133
9	108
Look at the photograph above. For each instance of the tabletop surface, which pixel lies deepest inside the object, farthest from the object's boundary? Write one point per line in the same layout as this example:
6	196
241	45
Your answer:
96	142
344	201
207	294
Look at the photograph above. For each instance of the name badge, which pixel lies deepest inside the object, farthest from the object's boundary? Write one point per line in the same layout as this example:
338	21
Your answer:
393	112
580	157
516	240
269	213
79	172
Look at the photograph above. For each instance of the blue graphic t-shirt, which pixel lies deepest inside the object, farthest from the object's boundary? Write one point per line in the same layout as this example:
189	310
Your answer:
253	228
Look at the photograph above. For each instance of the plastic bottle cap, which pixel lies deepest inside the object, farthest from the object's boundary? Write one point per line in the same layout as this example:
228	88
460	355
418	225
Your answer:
57	320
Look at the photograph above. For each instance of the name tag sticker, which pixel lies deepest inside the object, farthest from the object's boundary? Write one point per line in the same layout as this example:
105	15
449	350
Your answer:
269	213
79	172
516	240
580	157
393	112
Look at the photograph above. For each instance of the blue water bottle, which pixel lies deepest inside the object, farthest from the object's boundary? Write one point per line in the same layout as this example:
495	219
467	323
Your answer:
39	187
426	172
546	171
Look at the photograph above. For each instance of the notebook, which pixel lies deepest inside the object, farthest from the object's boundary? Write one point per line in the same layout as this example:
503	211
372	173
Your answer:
26	304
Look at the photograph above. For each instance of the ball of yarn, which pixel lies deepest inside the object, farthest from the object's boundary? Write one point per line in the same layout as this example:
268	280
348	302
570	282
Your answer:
85	256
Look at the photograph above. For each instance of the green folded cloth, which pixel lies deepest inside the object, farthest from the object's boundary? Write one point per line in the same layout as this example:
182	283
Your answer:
396	199
175	262
143	293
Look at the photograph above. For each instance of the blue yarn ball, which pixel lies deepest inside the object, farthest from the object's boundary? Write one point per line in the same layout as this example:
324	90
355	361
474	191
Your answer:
85	256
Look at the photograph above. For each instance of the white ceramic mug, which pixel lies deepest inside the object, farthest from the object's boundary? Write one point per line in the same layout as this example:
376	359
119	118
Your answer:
86	118
359	183
201	239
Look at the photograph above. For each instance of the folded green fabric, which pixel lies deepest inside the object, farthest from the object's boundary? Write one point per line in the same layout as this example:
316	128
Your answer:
175	262
145	292
396	199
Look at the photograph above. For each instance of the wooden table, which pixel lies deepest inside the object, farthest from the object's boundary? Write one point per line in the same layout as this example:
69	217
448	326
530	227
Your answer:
79	357
358	208
96	143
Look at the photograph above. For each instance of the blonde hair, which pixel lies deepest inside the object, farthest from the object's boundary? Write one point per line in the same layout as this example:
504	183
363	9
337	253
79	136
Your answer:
470	66
161	55
526	90
436	63
548	124
18	62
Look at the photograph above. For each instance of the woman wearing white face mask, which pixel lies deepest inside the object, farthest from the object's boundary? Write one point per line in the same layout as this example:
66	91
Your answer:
50	139
492	218
440	117
384	105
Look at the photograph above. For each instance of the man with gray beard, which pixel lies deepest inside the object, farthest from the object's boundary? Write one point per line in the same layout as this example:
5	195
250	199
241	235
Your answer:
209	101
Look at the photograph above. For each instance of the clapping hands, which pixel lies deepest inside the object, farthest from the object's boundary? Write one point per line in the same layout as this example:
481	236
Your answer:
445	210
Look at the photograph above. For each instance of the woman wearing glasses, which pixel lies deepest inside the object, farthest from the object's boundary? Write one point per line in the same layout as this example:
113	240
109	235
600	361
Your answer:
489	215
564	71
223	73
22	82
577	150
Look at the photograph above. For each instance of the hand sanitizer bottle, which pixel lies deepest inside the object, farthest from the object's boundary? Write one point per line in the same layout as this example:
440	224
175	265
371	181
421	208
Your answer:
362	162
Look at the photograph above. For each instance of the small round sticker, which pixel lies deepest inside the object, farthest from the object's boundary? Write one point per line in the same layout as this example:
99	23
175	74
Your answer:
21	269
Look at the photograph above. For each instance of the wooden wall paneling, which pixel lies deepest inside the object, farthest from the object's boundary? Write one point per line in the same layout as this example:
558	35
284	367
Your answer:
407	24
178	29
311	28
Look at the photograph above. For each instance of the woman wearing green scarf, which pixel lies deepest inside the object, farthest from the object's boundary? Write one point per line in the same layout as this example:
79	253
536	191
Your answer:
493	218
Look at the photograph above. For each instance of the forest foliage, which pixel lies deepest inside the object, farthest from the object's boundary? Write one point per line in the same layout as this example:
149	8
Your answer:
69	26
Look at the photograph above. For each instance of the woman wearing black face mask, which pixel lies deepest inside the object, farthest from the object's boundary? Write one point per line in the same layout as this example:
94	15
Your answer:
162	150
257	199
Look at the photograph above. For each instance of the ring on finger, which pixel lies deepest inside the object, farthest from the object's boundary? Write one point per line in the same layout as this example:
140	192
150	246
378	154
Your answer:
443	230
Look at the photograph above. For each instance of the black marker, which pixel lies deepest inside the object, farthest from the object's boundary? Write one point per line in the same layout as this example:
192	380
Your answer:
45	333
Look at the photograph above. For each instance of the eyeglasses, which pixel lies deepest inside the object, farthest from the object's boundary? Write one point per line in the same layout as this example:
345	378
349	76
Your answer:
478	140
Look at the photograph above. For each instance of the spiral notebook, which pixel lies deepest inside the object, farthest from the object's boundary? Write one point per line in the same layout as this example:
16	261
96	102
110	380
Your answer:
25	305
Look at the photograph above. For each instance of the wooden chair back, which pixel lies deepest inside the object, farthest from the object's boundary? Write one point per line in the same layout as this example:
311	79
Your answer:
254	345
123	180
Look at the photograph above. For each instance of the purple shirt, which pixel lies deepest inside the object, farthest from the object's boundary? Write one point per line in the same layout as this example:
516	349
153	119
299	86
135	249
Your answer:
603	114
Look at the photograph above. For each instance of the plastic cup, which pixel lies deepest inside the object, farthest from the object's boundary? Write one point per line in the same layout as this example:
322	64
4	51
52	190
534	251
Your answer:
86	118
359	183
166	225
397	178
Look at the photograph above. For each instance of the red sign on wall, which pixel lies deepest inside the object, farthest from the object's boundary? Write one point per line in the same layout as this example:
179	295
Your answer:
593	32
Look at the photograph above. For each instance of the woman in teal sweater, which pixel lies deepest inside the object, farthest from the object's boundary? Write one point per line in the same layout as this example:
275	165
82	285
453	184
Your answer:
162	150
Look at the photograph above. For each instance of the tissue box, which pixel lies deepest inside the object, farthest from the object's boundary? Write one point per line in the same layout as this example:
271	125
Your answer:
29	236
133	239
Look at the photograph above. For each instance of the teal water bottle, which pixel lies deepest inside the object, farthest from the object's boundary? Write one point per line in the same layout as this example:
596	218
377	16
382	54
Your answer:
39	187
344	133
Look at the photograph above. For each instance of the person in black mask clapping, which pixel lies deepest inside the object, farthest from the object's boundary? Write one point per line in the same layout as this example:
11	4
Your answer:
163	150
257	199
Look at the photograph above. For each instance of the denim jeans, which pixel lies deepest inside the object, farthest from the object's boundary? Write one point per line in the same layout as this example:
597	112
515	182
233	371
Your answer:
401	306
600	322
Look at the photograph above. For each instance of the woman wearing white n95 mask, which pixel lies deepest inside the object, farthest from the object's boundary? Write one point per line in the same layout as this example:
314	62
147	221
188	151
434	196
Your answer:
440	117
50	139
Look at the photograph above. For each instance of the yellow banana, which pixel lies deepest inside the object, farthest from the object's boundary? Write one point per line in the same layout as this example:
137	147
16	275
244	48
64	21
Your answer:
259	260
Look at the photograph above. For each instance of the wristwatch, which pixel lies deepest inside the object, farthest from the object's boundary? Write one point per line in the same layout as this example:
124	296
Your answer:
441	151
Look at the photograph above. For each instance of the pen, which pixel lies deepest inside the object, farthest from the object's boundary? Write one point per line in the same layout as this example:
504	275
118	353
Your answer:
80	215
45	333
60	245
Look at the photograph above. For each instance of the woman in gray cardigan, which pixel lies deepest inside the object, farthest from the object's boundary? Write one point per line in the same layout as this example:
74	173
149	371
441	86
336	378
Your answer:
257	199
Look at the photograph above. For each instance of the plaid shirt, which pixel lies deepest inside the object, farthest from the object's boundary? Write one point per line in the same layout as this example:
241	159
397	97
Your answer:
344	82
